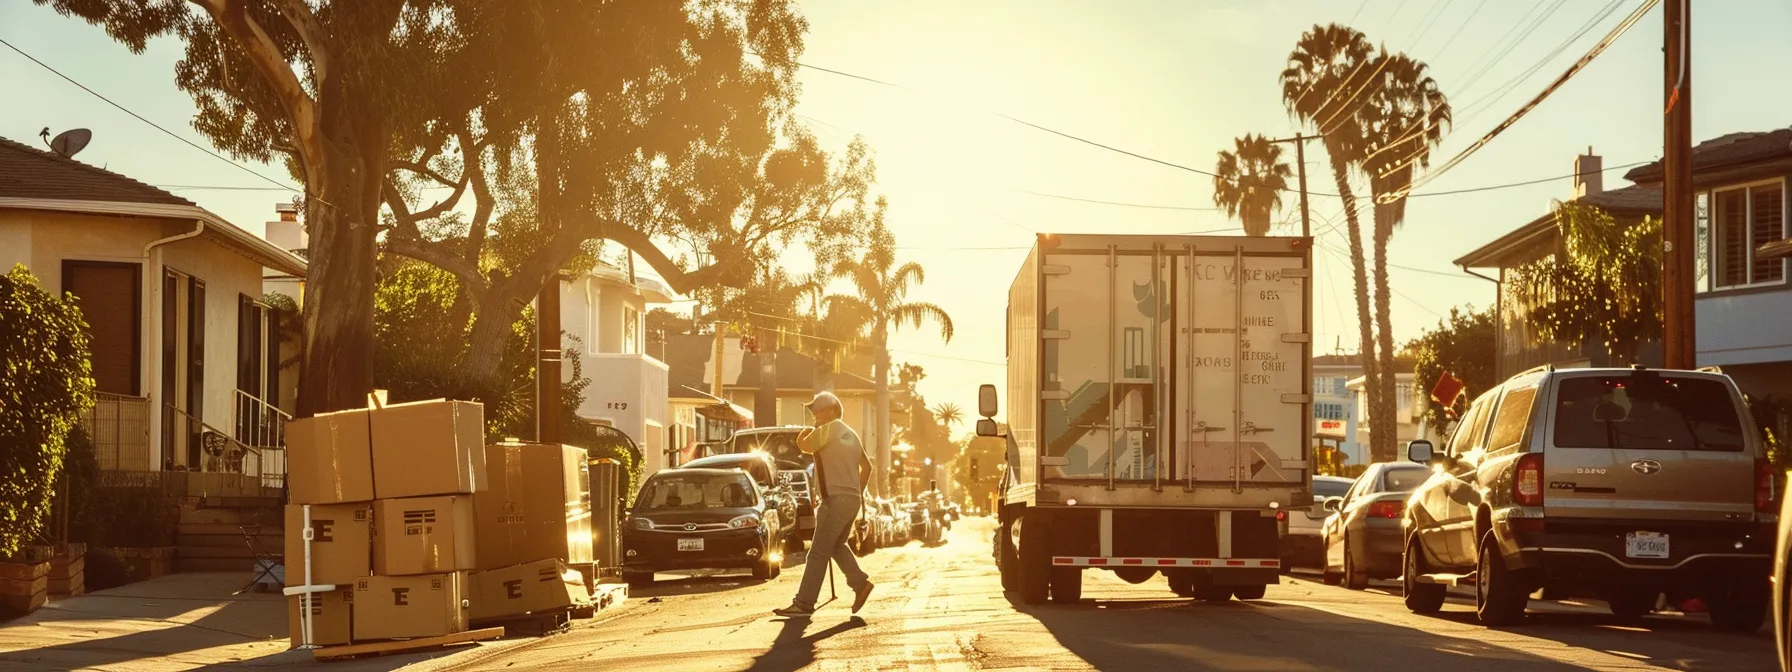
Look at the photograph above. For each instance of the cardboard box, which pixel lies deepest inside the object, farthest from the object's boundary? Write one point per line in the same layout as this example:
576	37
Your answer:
341	543
537	505
329	458
428	448
540	586
423	535
391	607
331	614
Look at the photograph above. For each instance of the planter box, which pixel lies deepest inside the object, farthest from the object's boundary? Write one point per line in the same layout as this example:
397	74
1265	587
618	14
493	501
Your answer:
139	564
68	571
23	587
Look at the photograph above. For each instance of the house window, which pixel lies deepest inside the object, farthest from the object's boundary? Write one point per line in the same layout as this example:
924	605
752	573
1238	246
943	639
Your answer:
631	330
1740	220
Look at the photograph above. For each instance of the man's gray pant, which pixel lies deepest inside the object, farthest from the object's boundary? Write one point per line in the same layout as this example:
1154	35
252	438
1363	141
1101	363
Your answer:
833	526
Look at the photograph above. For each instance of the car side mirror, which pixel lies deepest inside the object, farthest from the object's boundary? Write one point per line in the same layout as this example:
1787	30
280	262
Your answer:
1333	504
986	400
987	428
1419	451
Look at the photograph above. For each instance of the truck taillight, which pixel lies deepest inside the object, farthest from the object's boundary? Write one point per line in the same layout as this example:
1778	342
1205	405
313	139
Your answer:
1281	514
1527	480
1763	486
1387	509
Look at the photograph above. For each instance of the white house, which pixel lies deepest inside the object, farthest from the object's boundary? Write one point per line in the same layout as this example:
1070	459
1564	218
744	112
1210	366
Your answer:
1335	419
1409	425
605	310
185	353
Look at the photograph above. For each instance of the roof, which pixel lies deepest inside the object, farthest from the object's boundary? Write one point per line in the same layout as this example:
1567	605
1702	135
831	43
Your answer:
1725	152
687	358
28	172
1629	201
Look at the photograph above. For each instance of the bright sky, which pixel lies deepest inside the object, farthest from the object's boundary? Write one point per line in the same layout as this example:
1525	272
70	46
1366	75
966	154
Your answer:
1168	79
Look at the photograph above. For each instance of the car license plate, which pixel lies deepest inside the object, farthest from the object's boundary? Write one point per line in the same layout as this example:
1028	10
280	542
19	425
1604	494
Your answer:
1646	545
690	544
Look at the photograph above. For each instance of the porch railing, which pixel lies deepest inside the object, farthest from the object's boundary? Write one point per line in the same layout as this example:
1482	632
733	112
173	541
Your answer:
218	458
262	426
118	424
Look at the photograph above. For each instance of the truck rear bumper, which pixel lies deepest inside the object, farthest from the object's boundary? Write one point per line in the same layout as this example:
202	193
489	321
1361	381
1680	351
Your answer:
1162	563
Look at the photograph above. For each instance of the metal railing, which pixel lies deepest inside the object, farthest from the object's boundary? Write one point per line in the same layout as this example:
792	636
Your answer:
119	427
194	446
262	426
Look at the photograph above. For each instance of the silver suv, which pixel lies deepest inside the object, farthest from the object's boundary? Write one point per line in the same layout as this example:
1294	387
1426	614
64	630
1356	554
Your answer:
1620	484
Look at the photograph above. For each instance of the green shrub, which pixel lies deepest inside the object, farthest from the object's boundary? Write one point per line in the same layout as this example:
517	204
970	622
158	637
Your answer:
46	383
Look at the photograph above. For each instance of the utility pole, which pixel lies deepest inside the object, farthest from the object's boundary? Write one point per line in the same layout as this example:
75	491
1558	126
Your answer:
1300	163
715	385
547	365
1679	338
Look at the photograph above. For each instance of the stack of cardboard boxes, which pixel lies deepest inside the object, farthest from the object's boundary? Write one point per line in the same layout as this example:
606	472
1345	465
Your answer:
407	504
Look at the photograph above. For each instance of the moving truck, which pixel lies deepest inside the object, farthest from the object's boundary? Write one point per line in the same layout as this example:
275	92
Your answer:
1157	412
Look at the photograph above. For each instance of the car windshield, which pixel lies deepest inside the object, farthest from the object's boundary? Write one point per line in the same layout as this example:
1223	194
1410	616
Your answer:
780	445
670	491
1403	480
1646	412
1324	489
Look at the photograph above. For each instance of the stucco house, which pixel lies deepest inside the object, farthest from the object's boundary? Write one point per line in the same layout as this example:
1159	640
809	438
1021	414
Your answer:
186	354
605	308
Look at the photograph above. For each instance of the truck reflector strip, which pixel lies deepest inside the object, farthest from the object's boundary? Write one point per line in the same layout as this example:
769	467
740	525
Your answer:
1249	563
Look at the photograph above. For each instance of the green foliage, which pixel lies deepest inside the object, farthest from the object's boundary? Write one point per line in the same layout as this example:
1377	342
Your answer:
420	349
1249	182
1463	345
45	386
1328	461
1608	288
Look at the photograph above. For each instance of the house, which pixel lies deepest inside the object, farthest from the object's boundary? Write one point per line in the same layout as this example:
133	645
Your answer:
798	378
1517	346
1409	425
1335	418
1742	303
604	310
700	420
186	354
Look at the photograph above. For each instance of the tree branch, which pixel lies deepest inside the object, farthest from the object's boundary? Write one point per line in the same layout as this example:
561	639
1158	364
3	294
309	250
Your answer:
300	108
304	22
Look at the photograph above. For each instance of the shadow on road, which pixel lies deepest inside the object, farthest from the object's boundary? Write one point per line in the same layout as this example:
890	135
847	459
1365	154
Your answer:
793	649
1679	643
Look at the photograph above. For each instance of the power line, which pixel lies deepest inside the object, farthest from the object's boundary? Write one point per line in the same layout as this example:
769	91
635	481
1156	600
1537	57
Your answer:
1521	184
217	188
140	117
1118	203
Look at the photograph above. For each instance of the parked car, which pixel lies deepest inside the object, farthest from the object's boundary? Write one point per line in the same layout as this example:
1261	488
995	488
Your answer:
695	518
797	479
1782	590
899	522
1620	483
764	471
866	533
1303	545
887	524
921	525
1362	536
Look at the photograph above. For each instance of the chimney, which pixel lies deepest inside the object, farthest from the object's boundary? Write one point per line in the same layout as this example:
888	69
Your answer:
1589	174
287	232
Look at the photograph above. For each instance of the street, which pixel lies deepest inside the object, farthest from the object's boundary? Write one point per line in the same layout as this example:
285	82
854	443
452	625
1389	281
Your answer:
943	608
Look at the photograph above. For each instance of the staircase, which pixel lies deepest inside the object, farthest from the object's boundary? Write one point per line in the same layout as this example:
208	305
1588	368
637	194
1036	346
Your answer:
209	538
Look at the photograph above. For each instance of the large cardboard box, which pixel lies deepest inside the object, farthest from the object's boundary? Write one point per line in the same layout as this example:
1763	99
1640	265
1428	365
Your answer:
390	607
543	585
537	505
341	543
330	617
428	448
329	459
423	535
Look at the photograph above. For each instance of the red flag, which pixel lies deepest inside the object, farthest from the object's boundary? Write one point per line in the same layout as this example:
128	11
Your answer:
1447	389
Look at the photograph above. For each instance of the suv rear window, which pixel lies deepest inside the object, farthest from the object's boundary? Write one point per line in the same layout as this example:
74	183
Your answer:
1646	412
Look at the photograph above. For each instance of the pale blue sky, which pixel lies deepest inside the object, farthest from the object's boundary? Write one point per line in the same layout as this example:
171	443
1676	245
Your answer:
1171	80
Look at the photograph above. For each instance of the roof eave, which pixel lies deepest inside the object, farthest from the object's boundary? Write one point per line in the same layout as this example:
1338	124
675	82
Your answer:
262	251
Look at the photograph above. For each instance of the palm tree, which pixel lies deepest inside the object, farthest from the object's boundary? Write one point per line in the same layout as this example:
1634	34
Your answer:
882	293
949	414
1249	183
1404	118
1326	73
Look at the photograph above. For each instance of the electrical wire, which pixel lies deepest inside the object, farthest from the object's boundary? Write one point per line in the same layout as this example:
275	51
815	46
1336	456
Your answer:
1464	25
141	118
1118	203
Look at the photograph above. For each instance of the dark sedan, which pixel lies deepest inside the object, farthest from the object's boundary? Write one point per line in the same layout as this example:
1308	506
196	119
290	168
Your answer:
701	519
774	488
1362	536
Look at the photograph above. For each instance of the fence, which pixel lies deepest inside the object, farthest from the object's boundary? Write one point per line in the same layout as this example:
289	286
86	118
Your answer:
119	427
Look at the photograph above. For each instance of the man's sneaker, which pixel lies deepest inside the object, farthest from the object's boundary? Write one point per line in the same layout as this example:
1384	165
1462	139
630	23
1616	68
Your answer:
860	595
794	611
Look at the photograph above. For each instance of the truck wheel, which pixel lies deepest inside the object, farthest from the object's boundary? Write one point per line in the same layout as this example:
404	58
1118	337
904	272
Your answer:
1035	557
1250	592
793	543
1741	605
1354	578
1421	598
1181	582
637	579
1500	594
1067	585
1205	591
1007	560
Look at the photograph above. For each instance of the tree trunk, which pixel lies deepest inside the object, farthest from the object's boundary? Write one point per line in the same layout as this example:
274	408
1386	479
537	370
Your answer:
341	211
882	377
1387	444
492	324
1341	175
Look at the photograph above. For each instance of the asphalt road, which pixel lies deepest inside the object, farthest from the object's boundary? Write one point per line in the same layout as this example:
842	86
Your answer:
943	608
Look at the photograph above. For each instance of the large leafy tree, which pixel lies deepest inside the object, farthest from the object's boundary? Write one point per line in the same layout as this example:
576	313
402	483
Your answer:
46	384
1326	73
1248	182
881	296
1462	346
1403	119
1606	288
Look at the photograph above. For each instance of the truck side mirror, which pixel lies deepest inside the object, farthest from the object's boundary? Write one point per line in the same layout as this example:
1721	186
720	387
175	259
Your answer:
987	427
1419	451
986	401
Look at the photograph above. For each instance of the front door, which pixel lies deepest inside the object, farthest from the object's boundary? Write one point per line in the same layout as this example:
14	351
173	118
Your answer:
183	371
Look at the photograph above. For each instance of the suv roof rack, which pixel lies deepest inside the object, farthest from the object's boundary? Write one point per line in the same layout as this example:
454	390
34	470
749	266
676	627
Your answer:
1711	369
1544	368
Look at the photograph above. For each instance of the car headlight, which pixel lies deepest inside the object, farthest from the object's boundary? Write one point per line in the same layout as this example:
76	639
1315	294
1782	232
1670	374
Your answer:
744	522
641	523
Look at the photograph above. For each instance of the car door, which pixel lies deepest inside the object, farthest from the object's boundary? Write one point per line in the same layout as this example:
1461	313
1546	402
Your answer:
1434	514
1333	531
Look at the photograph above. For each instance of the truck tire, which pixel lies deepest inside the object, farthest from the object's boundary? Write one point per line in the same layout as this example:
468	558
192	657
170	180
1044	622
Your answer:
1008	560
1204	590
1181	582
1500	593
1067	585
1741	605
637	579
1035	558
1421	598
1255	592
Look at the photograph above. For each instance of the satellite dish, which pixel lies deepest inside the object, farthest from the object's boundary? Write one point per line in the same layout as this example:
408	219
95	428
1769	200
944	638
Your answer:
68	143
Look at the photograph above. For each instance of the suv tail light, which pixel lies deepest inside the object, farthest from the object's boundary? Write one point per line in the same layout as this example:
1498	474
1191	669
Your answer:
1527	480
1281	514
1763	486
1385	509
